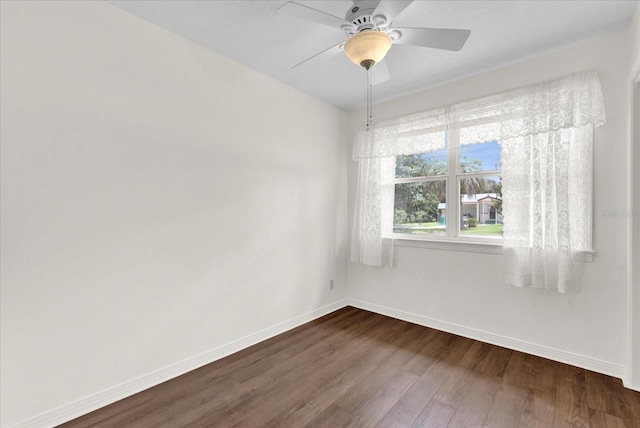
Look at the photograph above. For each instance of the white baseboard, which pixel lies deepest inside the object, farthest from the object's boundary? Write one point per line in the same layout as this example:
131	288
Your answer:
577	360
85	405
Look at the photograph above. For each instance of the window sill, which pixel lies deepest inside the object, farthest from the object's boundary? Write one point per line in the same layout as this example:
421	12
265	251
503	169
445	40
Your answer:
467	246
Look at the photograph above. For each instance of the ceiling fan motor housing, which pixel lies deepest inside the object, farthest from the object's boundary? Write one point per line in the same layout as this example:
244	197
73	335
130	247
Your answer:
360	16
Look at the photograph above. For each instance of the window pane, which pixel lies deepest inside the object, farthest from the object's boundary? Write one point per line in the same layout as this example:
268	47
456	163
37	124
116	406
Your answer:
422	165
481	206
480	157
420	208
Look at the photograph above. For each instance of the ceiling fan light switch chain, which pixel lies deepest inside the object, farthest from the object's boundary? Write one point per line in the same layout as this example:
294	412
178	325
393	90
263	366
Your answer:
369	100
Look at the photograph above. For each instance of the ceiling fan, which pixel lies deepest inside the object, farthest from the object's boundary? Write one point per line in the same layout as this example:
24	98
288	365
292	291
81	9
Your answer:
368	25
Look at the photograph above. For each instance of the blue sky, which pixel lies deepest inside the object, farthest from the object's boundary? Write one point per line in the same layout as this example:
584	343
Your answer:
487	153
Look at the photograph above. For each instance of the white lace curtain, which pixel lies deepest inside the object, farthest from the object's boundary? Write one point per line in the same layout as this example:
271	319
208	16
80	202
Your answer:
546	134
375	150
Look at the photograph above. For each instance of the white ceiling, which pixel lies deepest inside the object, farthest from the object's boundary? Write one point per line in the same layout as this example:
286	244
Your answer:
254	34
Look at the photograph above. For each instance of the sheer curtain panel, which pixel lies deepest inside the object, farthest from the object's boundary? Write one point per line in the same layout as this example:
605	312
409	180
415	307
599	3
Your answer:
547	161
376	151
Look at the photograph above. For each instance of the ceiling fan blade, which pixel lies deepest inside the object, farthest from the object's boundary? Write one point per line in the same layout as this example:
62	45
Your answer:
321	56
380	73
391	8
437	38
310	14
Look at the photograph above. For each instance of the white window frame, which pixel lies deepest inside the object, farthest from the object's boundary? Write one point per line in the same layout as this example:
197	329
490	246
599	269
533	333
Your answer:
452	183
453	240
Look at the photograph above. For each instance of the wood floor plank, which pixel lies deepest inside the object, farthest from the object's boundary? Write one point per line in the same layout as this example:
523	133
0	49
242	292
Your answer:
358	350
364	391
632	398
544	374
370	400
427	355
569	373
493	360
279	403
297	365
333	320
462	376
476	403
334	417
539	410
323	397
599	419
440	346
456	349
276	354
571	401
434	415
413	402
607	395
354	368
519	371
235	409
507	407
371	411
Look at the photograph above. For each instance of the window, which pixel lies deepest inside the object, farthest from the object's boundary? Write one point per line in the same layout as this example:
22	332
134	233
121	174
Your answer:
422	189
455	173
420	195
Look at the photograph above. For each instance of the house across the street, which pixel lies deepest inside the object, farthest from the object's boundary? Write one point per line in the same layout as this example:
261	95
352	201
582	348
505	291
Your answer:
479	206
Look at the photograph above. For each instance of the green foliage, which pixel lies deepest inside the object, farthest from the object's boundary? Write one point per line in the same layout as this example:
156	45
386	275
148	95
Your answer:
416	202
419	165
471	185
421	217
497	204
470	165
472	222
400	217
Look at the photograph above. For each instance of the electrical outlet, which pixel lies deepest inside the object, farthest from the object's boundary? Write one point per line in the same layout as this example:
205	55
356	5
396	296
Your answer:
331	284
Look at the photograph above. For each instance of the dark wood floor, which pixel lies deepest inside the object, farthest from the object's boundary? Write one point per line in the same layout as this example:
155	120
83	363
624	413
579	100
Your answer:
353	368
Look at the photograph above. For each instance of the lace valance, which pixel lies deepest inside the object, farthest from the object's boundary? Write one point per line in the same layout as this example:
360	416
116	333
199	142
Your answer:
573	101
405	135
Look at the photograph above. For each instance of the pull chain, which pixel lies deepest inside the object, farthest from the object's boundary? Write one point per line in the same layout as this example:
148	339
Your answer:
369	100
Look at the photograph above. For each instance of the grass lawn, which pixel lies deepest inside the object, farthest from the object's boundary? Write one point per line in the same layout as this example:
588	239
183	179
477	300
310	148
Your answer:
483	229
415	228
435	227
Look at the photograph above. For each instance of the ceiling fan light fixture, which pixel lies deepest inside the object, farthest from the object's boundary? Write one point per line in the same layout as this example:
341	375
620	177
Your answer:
367	47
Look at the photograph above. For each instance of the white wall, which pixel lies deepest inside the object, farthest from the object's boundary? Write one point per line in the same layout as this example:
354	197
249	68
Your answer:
634	151
464	291
158	202
634	37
